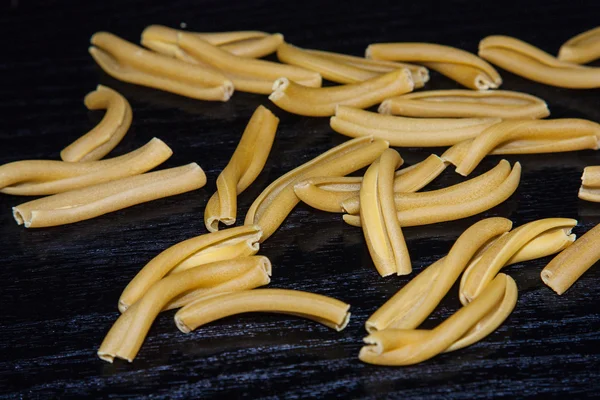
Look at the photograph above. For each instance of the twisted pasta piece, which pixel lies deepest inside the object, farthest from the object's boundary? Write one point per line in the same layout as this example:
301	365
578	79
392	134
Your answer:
377	216
129	331
458	65
530	62
108	133
246	163
275	202
322	102
218	246
477	276
325	310
408	132
590	184
43	177
93	201
130	63
465	327
466	103
581	49
568	266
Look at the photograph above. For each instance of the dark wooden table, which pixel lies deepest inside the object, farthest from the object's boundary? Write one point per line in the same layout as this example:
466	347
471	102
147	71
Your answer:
59	286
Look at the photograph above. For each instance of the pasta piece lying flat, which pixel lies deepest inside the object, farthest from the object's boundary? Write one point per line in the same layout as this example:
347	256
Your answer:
254	47
274	204
408	132
108	133
568	266
467	326
246	163
466	103
43	177
530	62
590	184
218	246
581	49
325	310
93	201
322	102
129	331
459	65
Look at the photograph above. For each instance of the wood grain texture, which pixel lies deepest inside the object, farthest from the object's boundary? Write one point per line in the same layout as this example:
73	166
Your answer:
59	286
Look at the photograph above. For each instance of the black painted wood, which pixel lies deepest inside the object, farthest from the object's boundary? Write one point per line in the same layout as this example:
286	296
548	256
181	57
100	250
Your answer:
59	286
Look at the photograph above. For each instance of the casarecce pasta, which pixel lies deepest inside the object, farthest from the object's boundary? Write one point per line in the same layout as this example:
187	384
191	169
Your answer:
590	184
582	48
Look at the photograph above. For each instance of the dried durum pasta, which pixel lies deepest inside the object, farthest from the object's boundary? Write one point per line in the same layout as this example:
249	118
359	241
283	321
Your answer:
590	184
582	48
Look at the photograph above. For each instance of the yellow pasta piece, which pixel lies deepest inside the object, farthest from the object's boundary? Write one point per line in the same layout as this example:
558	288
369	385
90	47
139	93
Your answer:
530	62
466	103
93	201
590	184
108	133
130	63
246	163
190	253
325	310
581	49
459	65
478	275
449	212
417	176
408	132
383	235
223	38
43	177
407	347
322	102
255	47
129	331
568	266
275	202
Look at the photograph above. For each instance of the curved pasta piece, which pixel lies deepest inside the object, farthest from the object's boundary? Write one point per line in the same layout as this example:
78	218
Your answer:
255	47
130	63
322	102
468	325
458	103
325	310
590	184
530	62
458	65
129	331
568	266
190	253
93	201
419	175
43	177
275	202
478	275
246	163
581	49
108	133
383	235
408	132
222	38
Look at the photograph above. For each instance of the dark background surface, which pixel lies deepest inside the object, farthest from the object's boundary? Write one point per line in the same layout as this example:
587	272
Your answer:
59	286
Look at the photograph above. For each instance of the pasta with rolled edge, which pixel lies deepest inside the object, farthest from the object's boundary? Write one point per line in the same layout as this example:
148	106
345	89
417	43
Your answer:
590	184
582	48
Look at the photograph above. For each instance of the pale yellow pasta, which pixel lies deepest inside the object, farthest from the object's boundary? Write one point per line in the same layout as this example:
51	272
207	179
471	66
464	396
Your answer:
325	310
419	175
459	65
530	62
478	275
382	232
129	331
468	325
322	102
274	204
408	132
466	104
98	142
590	184
568	266
581	49
201	249
43	177
223	38
130	63
255	47
246	163
93	201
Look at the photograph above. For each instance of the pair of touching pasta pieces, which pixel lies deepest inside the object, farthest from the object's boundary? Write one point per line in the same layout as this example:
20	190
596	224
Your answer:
590	184
530	62
458	65
130	63
581	49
